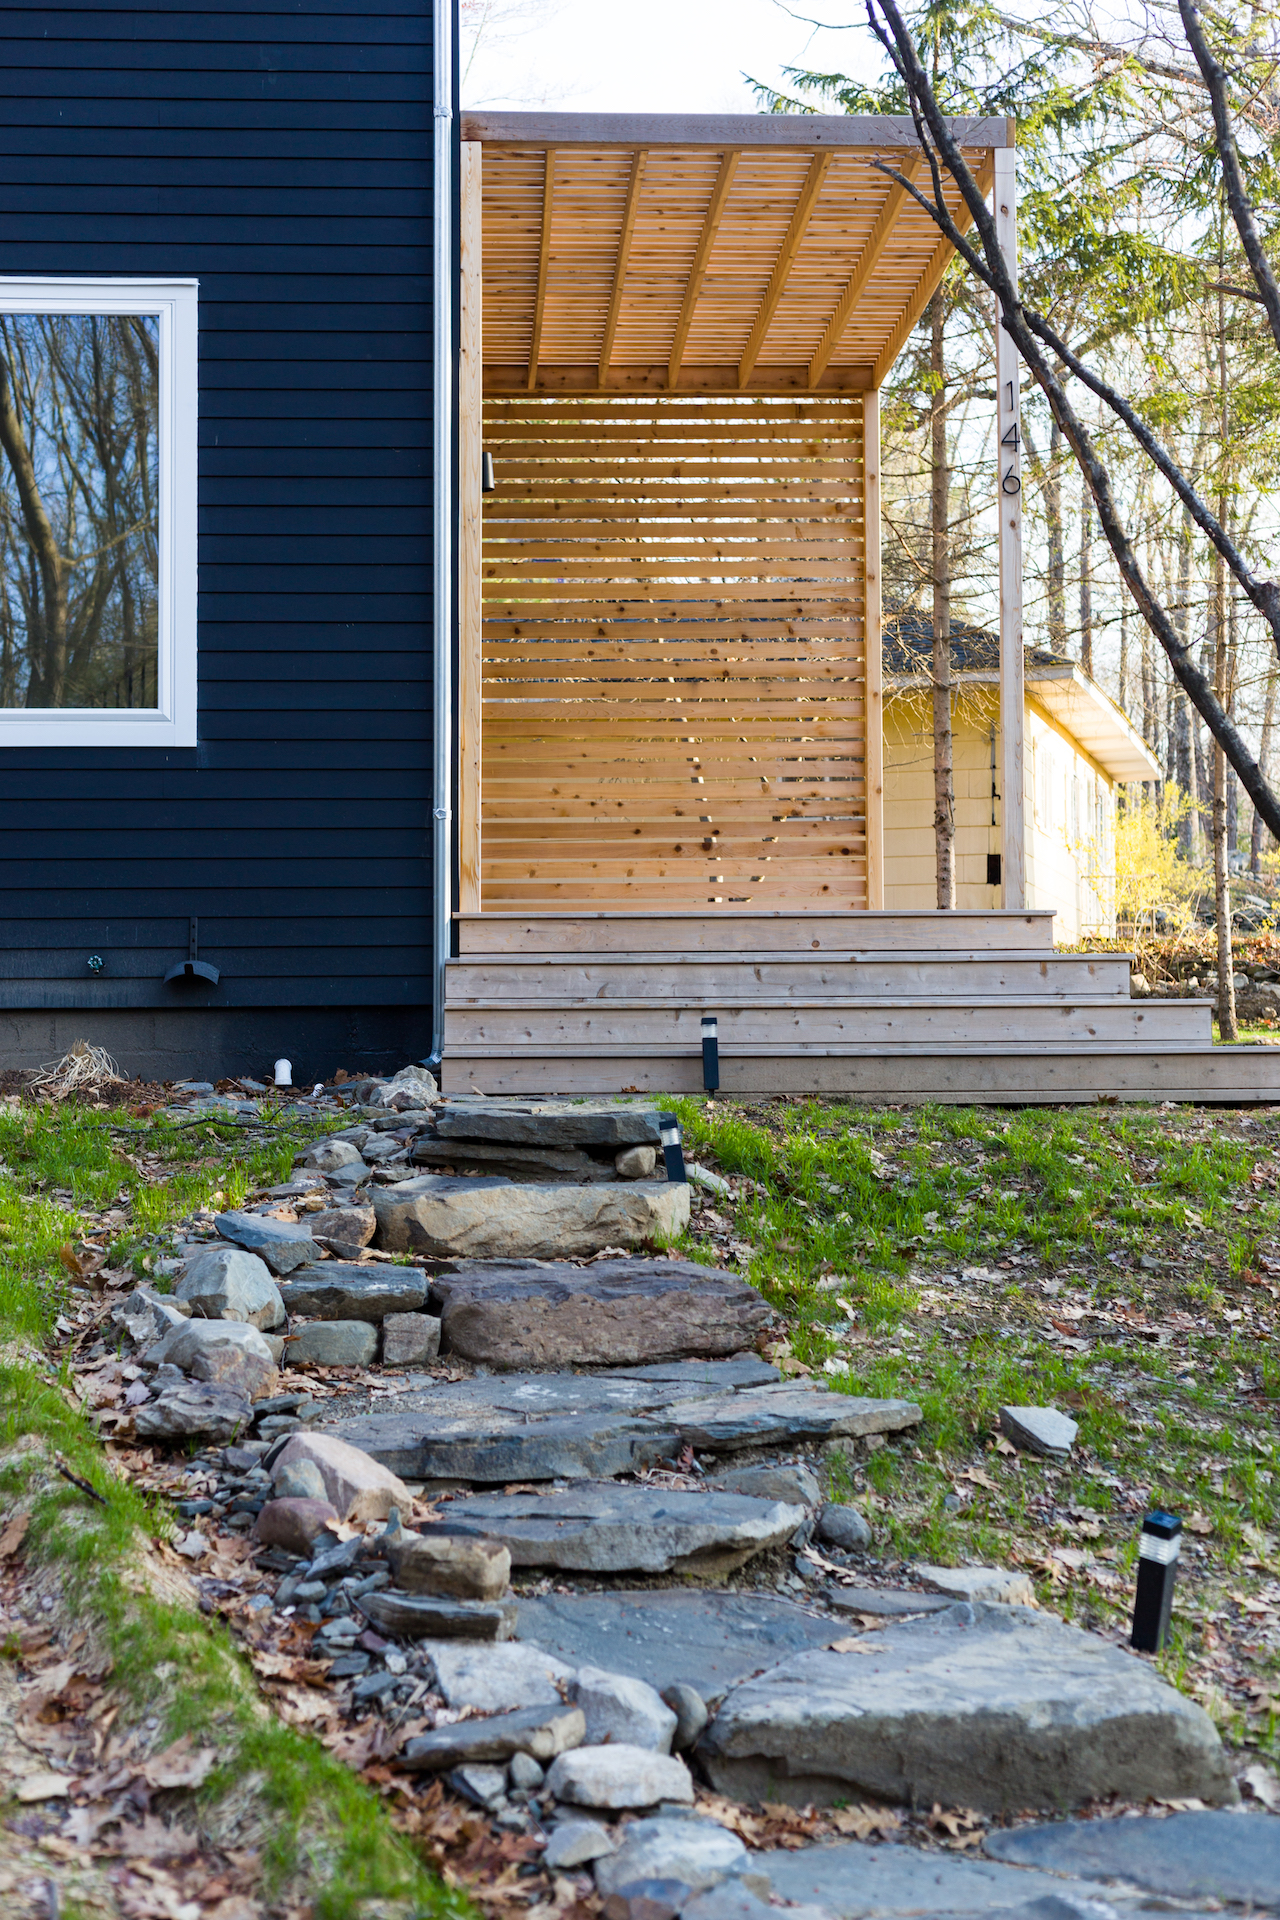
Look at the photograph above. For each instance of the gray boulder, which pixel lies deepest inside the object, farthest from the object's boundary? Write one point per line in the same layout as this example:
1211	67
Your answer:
619	1776
334	1343
226	1353
352	1226
844	1527
989	1707
798	1485
341	1291
420	1616
575	1843
636	1163
493	1679
283	1244
543	1732
491	1219
1040	1430
299	1480
410	1339
619	1708
326	1156
146	1316
448	1563
226	1283
192	1411
699	1853
549	1123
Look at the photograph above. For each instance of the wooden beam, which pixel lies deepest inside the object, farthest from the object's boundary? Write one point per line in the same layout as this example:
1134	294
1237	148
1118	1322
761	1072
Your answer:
710	227
684	130
544	250
767	381
925	287
470	531
620	265
876	241
872	608
782	266
1013	868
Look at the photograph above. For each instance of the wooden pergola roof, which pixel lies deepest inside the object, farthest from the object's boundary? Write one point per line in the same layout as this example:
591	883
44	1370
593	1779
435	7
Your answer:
755	254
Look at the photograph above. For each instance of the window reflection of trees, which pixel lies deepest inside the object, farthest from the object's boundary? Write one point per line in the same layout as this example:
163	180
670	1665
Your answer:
79	522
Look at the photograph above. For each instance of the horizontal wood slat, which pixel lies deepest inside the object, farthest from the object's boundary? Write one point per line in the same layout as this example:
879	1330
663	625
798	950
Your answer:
671	714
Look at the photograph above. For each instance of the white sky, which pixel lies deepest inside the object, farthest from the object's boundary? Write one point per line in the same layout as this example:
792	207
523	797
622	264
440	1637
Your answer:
650	56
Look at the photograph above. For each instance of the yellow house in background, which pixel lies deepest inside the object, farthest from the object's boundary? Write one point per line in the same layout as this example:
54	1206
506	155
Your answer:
1079	749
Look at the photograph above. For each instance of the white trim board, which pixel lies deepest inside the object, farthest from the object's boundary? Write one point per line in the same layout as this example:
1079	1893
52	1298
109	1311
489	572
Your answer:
173	722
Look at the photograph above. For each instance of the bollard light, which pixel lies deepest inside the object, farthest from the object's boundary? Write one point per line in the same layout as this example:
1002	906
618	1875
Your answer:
710	1052
1159	1544
672	1147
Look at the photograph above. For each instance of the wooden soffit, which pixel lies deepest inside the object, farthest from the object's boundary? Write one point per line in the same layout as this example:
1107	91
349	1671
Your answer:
759	254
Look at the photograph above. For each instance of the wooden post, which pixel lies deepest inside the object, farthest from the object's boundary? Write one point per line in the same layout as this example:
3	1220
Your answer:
1009	505
871	626
470	534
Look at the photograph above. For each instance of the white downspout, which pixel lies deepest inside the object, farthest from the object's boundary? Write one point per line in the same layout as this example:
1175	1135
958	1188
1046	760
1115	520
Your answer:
442	519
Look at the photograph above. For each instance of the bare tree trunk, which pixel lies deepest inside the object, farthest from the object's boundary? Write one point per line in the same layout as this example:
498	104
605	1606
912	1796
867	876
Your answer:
1057	565
1124	656
944	819
1086	579
1264	760
1222	678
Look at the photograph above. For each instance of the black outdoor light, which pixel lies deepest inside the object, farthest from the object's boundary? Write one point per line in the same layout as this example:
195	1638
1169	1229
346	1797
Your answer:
672	1147
710	1052
1158	1547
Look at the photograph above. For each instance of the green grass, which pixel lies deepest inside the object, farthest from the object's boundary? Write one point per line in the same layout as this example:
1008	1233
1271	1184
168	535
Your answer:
329	1833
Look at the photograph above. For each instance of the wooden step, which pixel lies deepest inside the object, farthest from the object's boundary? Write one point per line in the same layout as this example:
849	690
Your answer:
960	1021
706	980
735	930
1001	1076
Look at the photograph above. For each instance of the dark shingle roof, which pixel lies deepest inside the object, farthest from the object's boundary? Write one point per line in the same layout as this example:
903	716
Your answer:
907	646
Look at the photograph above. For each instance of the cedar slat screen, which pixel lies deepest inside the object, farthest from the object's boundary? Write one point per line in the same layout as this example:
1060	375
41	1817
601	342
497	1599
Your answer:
674	659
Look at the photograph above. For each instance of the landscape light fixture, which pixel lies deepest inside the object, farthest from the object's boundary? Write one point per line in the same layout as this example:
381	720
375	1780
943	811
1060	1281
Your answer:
1158	1547
672	1147
710	1053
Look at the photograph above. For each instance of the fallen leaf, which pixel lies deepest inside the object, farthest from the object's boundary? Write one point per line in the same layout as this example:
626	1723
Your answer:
1198	1523
153	1840
1005	1446
1262	1784
980	1479
180	1766
851	1645
862	1822
14	1535
43	1786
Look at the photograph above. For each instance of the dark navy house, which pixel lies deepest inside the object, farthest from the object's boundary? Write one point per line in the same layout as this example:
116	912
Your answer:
226	439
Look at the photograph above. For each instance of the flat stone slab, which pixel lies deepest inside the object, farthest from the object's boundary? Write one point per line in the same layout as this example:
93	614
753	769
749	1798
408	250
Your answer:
283	1244
516	1163
890	1603
549	1123
420	1616
498	1219
859	1881
673	1636
541	1732
1040	1430
1188	1856
597	1527
615	1312
1010	1589
989	1707
341	1290
593	1426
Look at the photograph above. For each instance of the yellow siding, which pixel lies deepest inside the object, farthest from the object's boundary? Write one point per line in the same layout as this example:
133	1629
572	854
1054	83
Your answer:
1069	804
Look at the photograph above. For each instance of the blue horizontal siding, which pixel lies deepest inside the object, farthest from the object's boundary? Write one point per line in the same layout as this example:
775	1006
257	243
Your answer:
283	158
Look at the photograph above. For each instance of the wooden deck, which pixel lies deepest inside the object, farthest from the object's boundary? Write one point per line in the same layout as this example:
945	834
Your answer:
885	1007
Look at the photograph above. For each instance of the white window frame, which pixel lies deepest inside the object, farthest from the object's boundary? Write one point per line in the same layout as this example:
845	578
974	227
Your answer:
172	723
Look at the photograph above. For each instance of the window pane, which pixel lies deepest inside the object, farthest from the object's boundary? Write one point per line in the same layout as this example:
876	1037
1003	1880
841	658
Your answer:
79	525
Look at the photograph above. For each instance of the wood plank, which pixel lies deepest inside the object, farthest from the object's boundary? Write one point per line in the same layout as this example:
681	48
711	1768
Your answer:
538	129
654	377
620	267
470	528
544	255
706	241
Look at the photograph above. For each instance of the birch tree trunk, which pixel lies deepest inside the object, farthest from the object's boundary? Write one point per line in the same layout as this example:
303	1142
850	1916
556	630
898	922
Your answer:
1264	761
944	822
1221	683
1086	579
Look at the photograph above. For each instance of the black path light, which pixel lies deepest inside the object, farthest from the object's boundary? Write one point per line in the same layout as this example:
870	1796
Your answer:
710	1052
1158	1547
672	1147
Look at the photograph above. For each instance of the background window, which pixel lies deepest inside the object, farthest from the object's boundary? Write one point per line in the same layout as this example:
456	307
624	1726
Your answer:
97	512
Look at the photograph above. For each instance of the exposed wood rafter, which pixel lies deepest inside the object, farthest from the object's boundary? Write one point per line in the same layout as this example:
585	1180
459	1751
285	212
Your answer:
544	254
782	267
710	227
620	269
927	285
862	273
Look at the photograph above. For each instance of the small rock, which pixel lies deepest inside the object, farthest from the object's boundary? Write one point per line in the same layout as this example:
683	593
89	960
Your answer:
353	1175
283	1244
483	1786
493	1679
691	1714
356	1485
618	1776
326	1156
226	1283
575	1843
635	1163
698	1852
619	1708
420	1616
225	1353
1040	1430
294	1523
460	1566
374	1686
349	1666
797	1485
525	1773
341	1290
354	1226
543	1732
414	1080
996	1584
300	1480
844	1527
191	1411
334	1343
409	1339
1139	986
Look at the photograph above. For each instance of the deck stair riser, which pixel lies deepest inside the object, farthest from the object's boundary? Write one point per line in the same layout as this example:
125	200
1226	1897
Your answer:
728	932
708	980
